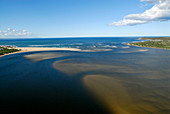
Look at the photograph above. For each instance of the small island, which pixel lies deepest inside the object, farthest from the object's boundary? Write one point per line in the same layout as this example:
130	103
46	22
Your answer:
8	49
159	42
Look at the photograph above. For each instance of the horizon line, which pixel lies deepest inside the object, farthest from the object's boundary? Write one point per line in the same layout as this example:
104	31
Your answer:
80	36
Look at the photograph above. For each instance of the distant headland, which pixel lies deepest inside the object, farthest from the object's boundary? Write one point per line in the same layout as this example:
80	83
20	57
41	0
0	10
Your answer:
159	42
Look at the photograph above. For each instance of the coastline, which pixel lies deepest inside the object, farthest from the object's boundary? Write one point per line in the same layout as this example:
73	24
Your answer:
157	43
145	46
32	49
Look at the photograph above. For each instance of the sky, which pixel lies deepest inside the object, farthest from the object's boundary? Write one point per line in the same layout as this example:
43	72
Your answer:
83	18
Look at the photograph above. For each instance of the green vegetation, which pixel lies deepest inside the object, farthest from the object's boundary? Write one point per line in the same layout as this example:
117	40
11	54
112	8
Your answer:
160	42
7	50
158	38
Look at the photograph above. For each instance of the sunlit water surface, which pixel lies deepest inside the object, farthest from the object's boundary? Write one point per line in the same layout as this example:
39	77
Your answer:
106	77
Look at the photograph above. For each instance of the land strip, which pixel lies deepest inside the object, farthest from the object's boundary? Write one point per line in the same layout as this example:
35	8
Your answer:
159	42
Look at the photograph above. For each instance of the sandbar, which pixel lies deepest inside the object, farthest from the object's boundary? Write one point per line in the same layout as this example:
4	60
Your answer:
32	49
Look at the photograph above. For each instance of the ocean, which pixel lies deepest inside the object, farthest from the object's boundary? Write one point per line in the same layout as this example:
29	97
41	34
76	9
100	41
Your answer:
107	76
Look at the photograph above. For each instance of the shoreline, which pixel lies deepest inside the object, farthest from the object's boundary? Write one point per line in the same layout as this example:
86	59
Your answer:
163	41
32	49
146	47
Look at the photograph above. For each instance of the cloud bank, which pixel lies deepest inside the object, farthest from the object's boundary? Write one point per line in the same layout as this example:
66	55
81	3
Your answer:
11	33
159	12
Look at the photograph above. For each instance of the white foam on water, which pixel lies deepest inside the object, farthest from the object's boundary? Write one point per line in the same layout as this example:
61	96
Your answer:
44	45
126	47
109	46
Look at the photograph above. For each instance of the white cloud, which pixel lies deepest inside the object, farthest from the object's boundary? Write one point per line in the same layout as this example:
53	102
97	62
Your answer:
10	33
24	30
151	1
159	12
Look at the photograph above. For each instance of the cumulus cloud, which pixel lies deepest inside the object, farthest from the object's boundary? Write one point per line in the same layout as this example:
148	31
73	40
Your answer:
159	12
10	33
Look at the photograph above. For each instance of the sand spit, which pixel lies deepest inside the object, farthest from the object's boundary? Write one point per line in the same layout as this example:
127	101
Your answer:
71	68
28	49
32	49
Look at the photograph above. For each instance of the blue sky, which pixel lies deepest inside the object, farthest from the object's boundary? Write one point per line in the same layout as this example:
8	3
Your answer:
57	18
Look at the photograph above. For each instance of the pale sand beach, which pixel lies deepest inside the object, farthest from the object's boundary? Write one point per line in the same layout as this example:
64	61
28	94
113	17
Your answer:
29	49
32	49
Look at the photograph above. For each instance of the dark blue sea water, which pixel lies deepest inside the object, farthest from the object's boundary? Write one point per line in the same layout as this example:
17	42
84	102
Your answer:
106	77
82	43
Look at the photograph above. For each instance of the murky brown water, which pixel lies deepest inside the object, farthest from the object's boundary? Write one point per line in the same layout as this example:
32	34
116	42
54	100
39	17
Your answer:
123	89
